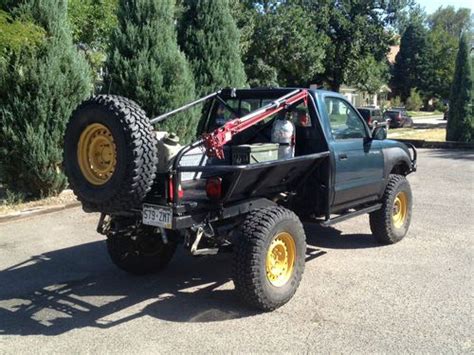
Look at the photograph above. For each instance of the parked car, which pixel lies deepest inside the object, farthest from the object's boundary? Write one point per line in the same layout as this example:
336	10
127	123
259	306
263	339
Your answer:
254	176
398	117
370	114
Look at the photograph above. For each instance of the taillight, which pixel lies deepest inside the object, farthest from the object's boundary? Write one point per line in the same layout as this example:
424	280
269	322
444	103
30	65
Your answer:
171	189
399	116
214	188
369	121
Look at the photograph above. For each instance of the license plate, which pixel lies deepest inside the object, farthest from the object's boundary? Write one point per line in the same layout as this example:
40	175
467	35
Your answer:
157	216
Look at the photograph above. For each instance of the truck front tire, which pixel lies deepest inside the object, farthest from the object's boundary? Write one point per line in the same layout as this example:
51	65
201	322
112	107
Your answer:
269	257
390	224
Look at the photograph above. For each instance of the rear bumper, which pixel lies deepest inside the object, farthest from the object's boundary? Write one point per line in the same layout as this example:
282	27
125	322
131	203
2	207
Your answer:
395	124
191	216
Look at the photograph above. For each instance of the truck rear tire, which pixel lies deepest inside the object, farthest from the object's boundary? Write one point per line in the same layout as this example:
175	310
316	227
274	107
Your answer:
110	154
139	250
390	224
269	257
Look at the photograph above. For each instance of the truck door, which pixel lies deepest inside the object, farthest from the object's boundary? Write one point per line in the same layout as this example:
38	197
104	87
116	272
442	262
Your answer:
358	160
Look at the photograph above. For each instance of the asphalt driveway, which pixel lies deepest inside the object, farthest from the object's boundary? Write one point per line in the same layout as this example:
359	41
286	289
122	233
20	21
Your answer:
60	294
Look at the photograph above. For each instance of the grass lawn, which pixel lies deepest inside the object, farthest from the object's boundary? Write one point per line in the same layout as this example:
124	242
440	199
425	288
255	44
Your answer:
432	134
424	113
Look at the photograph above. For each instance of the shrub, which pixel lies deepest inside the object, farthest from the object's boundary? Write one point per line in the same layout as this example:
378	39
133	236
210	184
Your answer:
395	101
37	95
414	101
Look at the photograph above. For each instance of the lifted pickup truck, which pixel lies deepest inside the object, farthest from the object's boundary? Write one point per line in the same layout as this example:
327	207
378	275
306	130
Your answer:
265	159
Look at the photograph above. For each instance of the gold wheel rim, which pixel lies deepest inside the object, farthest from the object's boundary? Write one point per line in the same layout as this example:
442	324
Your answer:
400	208
280	259
97	154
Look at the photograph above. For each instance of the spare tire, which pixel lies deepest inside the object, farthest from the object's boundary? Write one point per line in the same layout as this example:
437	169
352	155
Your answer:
110	154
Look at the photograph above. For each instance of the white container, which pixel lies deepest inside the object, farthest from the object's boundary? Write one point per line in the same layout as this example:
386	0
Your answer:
168	146
283	133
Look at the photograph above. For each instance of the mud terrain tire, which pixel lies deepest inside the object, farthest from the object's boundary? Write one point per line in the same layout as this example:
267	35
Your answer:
266	233
139	249
110	154
389	227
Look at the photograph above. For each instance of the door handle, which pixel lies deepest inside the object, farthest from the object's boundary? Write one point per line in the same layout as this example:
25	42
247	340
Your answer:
343	156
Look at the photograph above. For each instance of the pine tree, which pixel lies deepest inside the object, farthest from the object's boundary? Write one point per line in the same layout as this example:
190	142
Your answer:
412	63
146	65
210	38
460	118
38	91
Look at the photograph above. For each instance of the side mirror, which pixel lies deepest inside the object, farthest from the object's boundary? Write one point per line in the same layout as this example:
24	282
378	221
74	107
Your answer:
380	131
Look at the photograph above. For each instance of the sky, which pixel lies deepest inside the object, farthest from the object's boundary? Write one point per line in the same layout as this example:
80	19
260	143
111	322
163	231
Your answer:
432	5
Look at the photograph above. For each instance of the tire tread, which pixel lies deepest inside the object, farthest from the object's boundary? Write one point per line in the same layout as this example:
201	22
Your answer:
141	146
251	246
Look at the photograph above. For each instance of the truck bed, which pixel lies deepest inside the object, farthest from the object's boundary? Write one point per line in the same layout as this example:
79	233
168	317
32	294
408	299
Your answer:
266	179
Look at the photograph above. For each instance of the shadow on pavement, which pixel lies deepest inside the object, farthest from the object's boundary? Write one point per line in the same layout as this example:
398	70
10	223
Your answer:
456	154
331	238
79	287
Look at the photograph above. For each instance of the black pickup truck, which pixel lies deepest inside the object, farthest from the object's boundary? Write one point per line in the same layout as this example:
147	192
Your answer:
264	160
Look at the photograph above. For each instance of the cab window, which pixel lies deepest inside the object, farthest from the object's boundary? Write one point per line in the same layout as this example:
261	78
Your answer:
345	123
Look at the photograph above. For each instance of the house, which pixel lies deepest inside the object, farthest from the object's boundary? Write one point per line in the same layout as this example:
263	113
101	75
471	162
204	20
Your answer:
359	98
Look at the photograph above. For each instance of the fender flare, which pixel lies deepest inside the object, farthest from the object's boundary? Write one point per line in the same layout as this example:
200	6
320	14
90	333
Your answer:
396	158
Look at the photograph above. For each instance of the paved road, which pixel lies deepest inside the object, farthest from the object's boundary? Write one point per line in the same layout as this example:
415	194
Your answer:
60	294
429	122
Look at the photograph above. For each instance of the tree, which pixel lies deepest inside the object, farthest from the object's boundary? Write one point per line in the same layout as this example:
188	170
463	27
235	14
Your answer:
451	21
413	62
210	38
285	48
460	121
412	12
245	18
427	55
92	21
357	30
38	92
146	65
445	27
369	75
443	49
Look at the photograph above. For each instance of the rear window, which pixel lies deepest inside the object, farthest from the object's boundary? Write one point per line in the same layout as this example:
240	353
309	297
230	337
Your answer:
364	112
392	114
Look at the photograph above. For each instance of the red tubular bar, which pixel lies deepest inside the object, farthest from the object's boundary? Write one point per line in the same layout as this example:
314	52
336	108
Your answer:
215	140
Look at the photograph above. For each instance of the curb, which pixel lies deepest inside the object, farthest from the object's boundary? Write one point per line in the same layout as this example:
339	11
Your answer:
421	143
37	212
